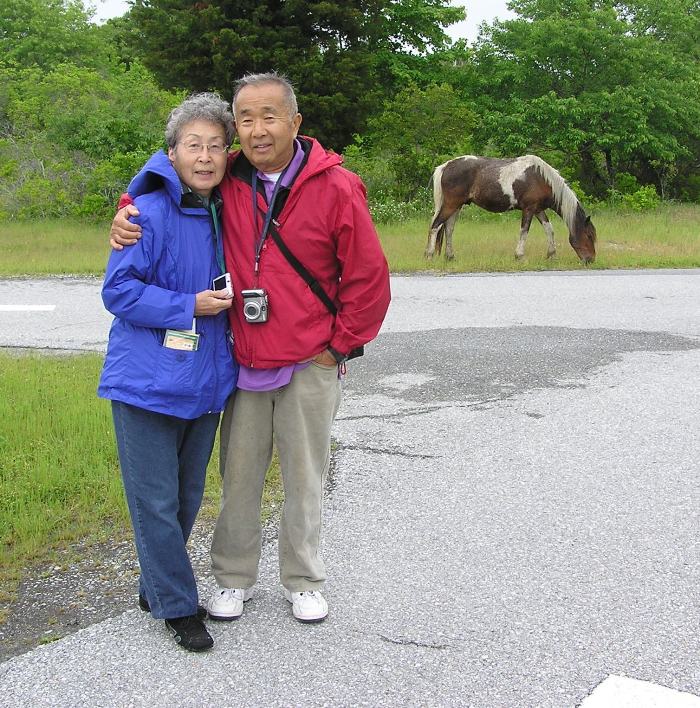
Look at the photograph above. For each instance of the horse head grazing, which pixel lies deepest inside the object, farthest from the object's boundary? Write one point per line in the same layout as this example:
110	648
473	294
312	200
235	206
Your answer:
583	237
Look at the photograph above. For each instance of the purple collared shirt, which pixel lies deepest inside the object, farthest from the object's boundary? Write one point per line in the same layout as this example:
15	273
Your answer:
270	379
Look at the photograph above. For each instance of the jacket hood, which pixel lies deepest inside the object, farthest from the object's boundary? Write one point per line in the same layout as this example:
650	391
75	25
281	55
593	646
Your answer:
318	158
156	174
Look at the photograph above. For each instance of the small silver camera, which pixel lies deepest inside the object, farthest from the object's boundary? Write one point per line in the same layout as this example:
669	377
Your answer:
254	305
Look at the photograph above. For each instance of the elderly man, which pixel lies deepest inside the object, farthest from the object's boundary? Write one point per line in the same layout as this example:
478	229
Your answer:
312	286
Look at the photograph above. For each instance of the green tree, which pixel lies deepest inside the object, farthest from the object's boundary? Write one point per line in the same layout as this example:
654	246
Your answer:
603	83
416	131
45	33
339	54
76	122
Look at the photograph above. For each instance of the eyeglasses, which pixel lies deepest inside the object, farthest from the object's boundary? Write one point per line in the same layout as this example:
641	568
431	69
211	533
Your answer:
198	148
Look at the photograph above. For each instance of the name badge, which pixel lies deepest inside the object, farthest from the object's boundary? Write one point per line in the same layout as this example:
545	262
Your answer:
184	341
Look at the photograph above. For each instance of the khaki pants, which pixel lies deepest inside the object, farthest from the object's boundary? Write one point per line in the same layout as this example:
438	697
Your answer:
298	418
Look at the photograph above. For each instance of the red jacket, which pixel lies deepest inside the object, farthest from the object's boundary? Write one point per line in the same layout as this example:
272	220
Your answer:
325	223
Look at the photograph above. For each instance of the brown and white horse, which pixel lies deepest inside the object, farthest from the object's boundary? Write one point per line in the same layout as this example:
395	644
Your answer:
527	183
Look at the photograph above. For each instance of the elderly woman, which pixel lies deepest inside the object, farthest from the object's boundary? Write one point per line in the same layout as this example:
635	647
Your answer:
169	366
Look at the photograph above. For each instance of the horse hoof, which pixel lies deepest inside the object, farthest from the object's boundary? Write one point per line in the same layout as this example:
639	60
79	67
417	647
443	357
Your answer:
519	256
552	254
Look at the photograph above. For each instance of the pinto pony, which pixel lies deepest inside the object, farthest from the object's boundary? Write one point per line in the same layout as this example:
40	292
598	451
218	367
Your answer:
527	183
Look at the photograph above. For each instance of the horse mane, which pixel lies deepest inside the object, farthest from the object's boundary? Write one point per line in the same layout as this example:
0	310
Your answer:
566	202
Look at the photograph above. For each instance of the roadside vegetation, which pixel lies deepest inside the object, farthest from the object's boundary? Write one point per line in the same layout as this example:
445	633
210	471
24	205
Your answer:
667	236
605	92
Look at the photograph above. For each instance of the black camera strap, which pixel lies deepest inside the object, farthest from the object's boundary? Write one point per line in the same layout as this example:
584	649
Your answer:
309	279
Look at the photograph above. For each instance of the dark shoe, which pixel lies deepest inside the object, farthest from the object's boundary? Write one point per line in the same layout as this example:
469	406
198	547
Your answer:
190	633
145	607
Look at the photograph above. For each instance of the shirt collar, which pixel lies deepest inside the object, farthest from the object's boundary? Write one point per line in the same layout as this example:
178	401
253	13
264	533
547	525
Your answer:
291	169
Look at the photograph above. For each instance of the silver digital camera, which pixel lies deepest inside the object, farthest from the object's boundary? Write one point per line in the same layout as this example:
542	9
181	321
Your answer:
254	305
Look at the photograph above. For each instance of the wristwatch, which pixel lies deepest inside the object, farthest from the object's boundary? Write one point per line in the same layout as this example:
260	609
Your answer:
339	358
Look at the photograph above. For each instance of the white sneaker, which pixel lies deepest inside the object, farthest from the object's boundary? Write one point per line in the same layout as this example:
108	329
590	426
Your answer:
227	603
307	606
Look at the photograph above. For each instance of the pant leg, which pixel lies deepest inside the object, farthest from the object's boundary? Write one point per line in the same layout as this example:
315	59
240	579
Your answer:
247	431
148	456
303	416
195	445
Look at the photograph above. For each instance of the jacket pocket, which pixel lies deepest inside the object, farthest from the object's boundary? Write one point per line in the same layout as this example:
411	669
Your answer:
175	372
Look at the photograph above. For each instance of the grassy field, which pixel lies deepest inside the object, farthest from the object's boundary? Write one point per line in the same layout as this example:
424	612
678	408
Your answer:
53	248
59	472
668	237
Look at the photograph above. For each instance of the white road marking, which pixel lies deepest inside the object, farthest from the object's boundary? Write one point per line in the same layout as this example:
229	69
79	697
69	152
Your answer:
27	308
624	692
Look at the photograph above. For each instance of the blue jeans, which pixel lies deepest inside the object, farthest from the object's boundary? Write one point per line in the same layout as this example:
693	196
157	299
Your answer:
163	461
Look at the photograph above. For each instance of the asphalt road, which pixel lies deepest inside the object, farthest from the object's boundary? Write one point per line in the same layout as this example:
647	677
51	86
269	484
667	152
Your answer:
513	513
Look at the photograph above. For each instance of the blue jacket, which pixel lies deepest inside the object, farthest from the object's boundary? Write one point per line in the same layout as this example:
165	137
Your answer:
151	287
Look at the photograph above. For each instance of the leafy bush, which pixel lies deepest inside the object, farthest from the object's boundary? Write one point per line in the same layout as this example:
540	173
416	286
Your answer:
375	170
95	205
644	199
75	136
417	130
626	183
387	209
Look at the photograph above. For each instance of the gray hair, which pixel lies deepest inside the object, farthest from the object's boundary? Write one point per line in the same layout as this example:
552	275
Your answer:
271	77
199	106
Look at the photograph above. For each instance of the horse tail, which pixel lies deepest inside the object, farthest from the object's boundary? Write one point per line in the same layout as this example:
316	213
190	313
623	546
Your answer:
437	190
566	202
437	199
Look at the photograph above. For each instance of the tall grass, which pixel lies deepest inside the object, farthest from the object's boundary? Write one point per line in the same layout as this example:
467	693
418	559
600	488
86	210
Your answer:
59	466
59	477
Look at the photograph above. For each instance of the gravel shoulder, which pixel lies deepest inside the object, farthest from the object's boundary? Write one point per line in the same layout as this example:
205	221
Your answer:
88	582
84	584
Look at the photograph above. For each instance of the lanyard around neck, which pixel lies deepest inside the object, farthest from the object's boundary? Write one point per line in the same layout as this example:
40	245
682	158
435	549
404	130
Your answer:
268	215
217	237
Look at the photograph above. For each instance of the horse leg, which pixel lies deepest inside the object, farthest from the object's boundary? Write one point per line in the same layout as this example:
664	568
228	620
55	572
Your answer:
449	228
435	236
525	222
549	230
432	238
